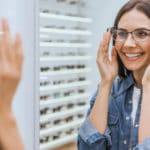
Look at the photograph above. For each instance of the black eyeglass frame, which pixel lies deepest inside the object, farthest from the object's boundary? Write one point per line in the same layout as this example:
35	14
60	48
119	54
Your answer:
111	29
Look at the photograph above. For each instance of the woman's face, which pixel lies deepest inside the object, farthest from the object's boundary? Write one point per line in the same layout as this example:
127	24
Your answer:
134	55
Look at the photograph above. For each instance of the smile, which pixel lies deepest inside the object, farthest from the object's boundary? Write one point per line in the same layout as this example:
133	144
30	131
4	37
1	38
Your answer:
133	55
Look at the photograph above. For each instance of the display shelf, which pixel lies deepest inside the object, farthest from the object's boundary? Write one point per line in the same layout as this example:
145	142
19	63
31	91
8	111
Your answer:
65	44
58	128
65	113
65	17
64	58
65	31
66	72
65	55
65	85
57	143
61	101
43	36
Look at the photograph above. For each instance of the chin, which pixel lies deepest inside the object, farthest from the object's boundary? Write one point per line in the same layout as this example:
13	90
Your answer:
134	68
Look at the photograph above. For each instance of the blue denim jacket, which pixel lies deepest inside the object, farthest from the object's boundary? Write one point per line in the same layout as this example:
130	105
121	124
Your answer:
121	134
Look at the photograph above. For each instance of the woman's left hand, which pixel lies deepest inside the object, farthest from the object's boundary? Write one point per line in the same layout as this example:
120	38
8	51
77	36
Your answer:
146	77
144	122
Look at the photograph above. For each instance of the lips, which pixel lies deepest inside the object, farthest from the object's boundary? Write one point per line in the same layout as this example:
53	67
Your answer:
135	55
132	56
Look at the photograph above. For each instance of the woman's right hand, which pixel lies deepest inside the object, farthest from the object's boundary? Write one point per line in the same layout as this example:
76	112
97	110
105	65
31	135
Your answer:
108	68
11	59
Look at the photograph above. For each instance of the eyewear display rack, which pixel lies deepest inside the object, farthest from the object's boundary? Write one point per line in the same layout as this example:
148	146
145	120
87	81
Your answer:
64	70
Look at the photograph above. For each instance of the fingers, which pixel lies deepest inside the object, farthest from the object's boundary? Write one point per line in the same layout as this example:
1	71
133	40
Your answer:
114	54
5	42
102	54
17	46
146	77
11	56
105	41
5	27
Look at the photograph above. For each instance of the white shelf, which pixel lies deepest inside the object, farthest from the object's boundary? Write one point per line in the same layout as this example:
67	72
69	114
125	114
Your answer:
65	44
64	72
58	142
63	114
65	17
64	58
43	36
66	85
62	127
63	100
65	31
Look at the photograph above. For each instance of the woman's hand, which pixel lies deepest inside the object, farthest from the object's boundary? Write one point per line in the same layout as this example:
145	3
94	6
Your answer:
146	78
11	59
108	68
144	124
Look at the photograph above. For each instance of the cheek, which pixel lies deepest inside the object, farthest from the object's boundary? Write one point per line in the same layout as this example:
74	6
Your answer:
146	48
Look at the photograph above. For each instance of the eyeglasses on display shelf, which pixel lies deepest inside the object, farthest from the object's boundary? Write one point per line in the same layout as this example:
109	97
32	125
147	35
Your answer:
65	52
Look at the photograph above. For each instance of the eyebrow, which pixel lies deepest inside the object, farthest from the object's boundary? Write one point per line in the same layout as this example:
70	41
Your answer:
122	29
142	28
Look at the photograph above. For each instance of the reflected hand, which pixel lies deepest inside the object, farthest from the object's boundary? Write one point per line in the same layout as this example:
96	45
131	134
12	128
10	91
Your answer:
11	59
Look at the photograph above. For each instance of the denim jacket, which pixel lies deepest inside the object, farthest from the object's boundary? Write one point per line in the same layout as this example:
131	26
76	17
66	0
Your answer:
121	134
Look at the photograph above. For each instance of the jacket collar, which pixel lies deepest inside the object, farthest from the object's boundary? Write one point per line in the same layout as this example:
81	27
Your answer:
122	84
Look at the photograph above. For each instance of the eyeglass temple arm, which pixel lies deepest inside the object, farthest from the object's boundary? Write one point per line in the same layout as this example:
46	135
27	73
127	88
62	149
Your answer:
111	29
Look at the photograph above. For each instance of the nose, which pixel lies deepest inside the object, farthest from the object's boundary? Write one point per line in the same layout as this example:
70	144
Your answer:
130	42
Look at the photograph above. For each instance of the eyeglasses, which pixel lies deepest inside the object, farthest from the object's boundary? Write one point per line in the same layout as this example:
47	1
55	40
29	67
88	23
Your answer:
120	35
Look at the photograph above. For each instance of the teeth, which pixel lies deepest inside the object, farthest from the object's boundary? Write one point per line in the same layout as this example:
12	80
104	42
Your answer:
133	55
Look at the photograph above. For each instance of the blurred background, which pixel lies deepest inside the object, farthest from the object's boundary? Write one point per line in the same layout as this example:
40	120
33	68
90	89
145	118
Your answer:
60	42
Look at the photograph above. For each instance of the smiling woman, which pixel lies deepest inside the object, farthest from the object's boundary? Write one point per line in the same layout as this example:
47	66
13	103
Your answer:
118	116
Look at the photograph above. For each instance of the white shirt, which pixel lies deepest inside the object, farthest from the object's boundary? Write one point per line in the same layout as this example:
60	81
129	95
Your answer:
135	102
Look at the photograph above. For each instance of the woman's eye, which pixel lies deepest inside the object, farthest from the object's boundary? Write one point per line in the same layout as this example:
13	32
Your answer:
141	33
122	34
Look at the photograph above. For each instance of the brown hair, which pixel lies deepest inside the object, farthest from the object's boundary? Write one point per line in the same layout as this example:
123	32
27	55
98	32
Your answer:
141	5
